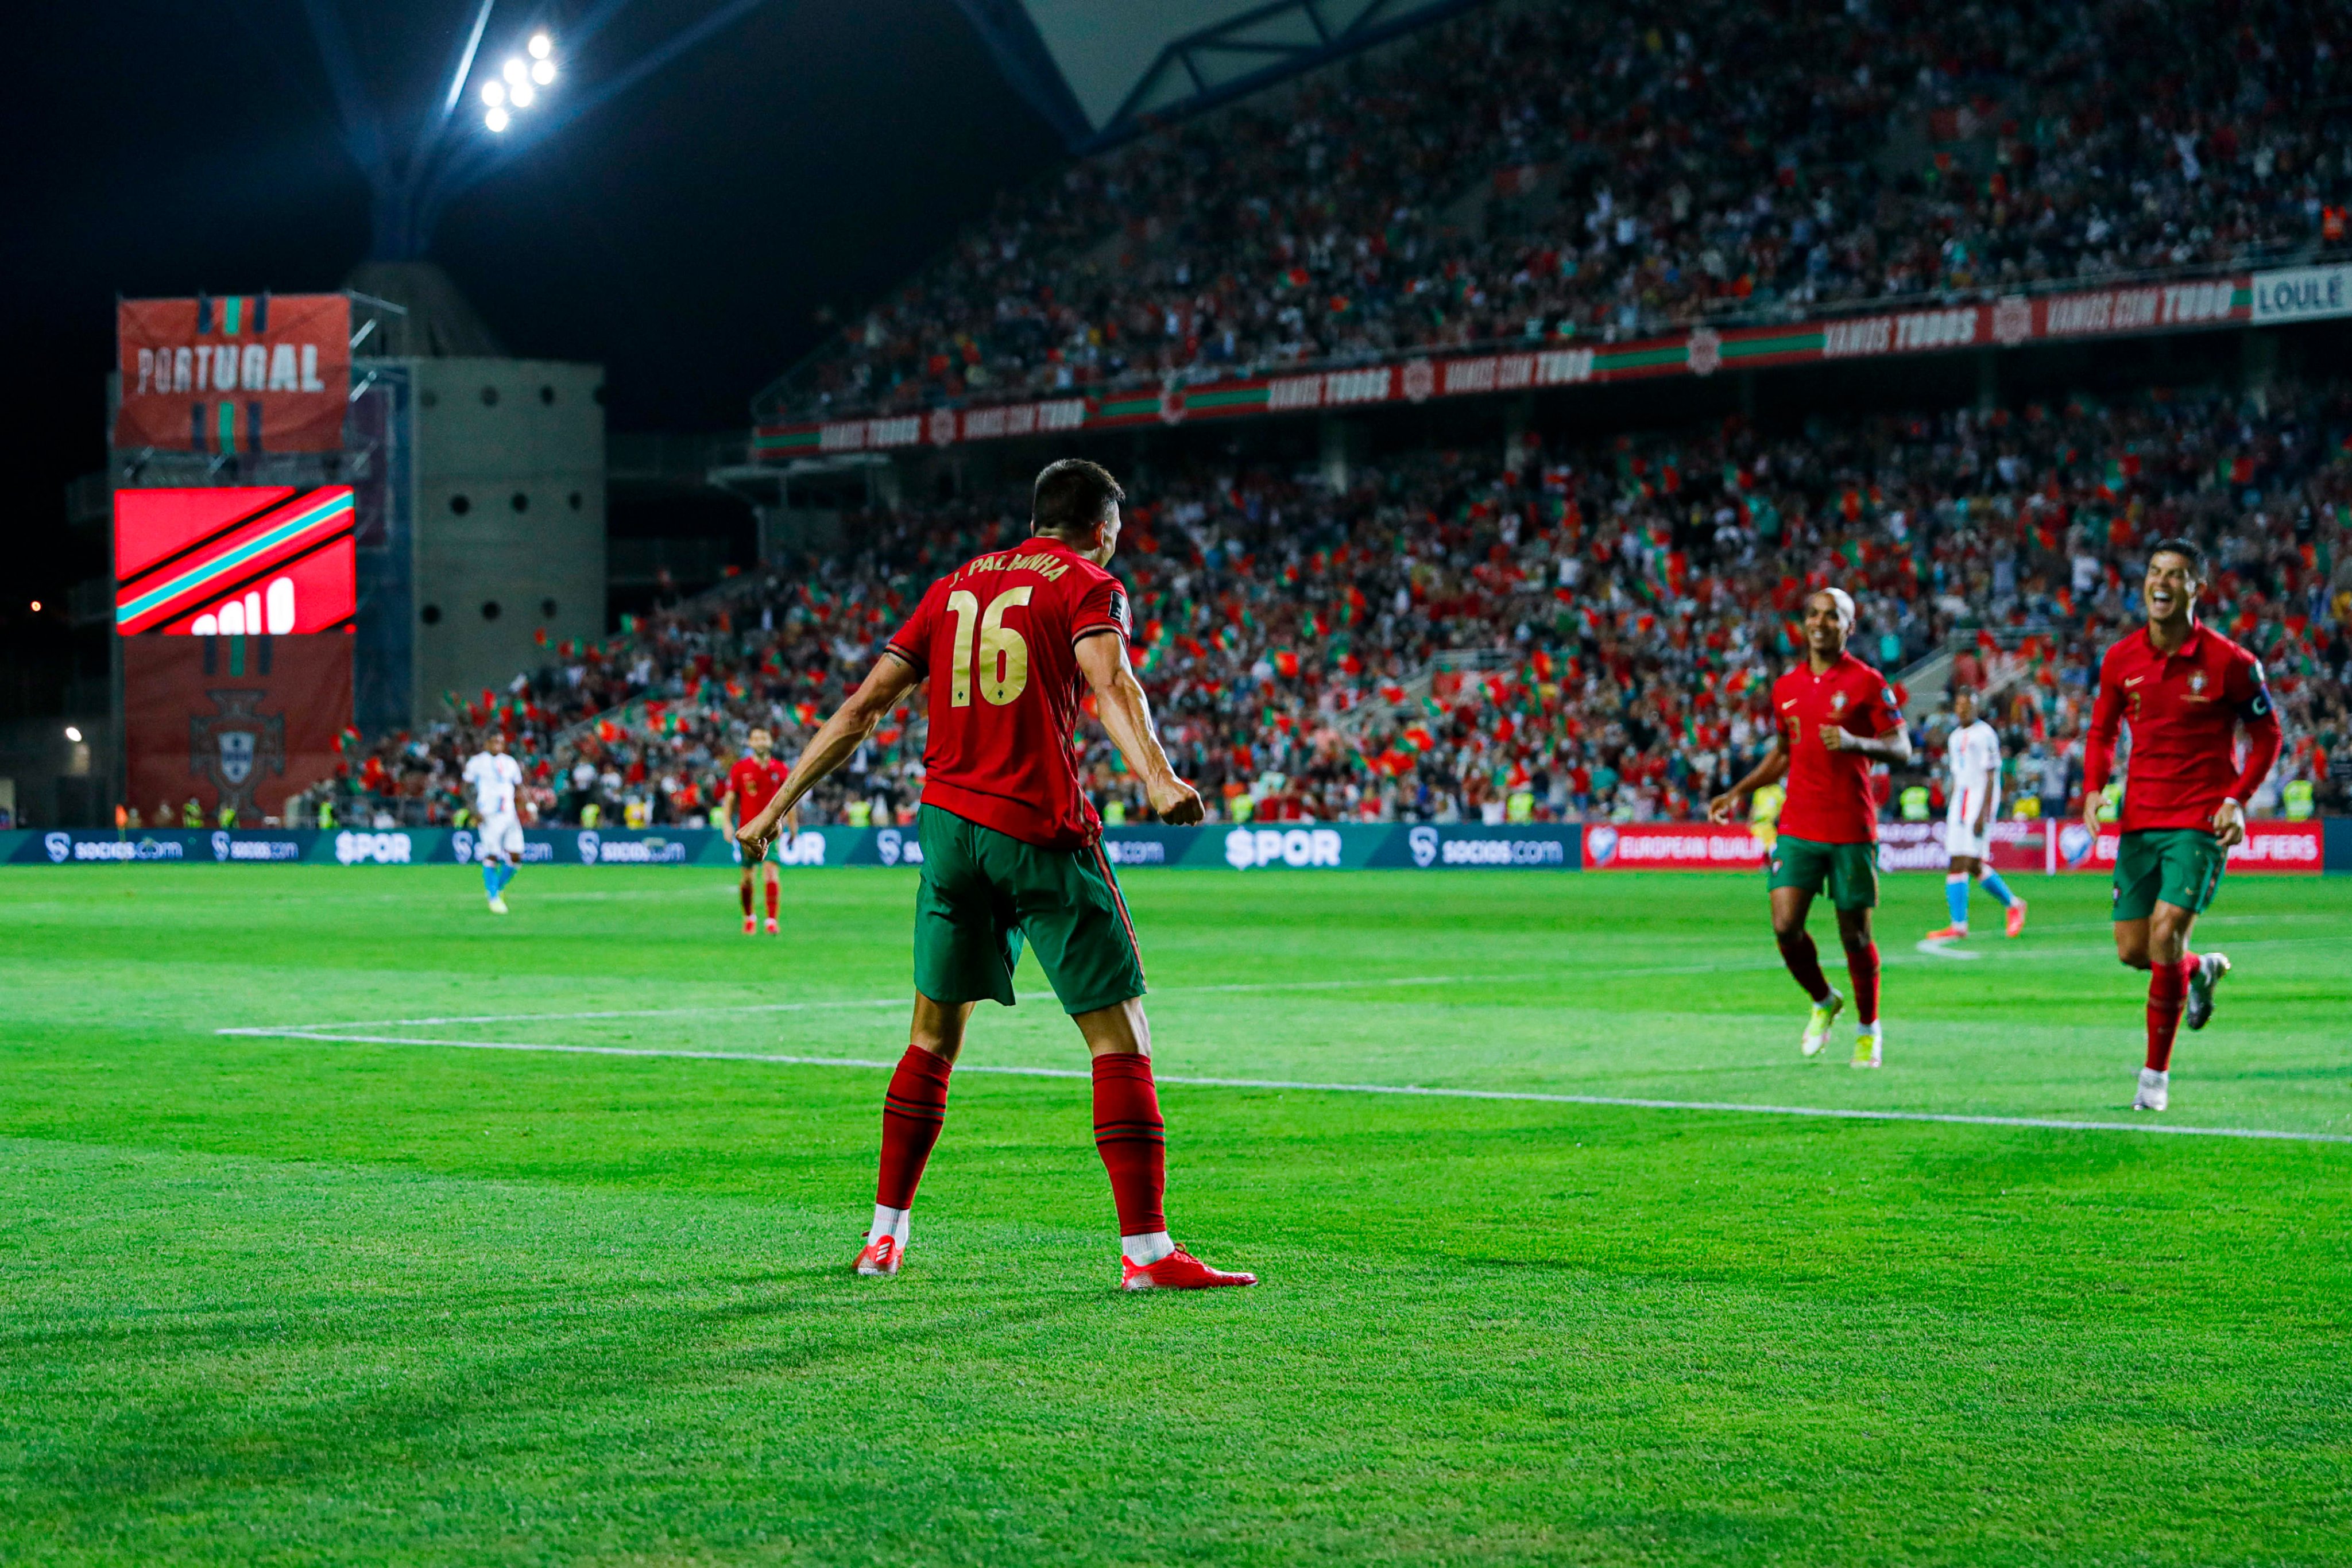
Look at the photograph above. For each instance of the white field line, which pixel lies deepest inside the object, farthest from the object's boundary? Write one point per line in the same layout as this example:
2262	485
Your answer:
1415	1089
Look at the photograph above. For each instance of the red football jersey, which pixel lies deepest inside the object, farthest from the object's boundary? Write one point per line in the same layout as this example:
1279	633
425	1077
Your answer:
1829	799
754	783
997	637
2185	708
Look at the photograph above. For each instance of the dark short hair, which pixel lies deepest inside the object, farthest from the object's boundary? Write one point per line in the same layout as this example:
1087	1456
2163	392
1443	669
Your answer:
1071	496
2185	548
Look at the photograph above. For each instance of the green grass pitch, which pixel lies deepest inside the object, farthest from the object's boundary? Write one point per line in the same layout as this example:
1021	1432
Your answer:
279	1299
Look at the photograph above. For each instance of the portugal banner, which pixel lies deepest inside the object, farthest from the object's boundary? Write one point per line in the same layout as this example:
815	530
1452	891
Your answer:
231	375
242	721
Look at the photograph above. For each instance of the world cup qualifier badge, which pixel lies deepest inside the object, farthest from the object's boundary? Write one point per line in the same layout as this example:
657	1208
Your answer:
234	747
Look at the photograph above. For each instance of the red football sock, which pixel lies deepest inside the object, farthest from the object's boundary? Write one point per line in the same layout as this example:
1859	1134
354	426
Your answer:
2168	992
914	1109
1804	961
1132	1140
746	890
1862	968
773	891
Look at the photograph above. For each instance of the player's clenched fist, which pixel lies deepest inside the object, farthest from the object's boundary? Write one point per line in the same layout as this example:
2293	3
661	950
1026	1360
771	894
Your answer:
1177	803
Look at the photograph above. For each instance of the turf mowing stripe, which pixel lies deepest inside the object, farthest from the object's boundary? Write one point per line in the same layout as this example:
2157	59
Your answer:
882	1002
1833	1113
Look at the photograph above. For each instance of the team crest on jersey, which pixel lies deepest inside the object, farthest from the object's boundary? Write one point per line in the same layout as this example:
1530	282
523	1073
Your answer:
2197	681
1837	703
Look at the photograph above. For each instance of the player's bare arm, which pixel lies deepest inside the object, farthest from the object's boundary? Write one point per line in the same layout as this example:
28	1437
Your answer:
836	741
1725	808
1893	746
1125	715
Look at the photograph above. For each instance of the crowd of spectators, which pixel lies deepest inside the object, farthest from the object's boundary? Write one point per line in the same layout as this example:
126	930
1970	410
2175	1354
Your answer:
1549	172
1591	635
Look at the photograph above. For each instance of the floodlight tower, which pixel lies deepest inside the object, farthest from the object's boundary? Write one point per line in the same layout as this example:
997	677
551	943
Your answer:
520	101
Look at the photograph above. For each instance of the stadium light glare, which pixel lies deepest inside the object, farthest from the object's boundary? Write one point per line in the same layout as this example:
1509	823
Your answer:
73	733
36	606
543	72
515	71
522	95
541	46
494	93
496	119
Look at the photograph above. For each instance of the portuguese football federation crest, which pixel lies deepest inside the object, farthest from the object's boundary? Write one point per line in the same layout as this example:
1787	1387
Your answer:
235	746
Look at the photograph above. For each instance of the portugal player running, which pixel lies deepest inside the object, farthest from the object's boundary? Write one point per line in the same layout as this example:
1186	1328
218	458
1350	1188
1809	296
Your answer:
1012	847
751	783
1836	716
2185	689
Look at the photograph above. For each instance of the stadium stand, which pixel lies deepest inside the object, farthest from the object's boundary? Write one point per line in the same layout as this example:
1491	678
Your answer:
1592	634
1539	175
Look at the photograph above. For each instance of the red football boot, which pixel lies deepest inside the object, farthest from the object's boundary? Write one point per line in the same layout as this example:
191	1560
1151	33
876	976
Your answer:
750	926
1948	934
771	925
2016	916
881	1256
1179	1270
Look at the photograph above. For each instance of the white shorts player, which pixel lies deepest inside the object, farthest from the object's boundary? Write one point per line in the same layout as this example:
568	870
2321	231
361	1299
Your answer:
493	778
1973	754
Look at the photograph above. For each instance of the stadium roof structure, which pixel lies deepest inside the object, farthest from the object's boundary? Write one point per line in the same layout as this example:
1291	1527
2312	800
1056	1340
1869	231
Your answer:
1099	73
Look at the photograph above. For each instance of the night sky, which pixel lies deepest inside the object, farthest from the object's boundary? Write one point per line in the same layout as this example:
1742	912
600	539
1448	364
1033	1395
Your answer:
683	235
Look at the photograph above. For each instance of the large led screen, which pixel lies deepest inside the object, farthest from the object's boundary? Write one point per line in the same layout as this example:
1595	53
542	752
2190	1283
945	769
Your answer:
219	563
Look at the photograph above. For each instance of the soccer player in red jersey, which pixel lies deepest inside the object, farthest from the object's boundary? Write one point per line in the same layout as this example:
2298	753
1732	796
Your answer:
1836	716
1012	847
2185	689
751	784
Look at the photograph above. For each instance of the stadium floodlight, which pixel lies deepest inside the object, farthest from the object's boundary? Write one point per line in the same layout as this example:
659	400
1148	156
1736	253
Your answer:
73	734
414	176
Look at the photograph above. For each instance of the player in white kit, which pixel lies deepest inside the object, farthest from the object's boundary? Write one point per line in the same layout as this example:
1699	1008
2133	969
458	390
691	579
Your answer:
493	777
1973	755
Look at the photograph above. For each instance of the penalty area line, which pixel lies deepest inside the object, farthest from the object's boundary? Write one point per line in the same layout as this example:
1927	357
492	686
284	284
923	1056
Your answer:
1831	1113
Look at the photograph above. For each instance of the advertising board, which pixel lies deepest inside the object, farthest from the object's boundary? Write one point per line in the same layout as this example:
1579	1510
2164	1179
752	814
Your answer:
2304	848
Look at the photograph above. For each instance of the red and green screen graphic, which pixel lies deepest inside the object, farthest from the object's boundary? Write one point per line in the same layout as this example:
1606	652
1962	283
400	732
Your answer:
222	563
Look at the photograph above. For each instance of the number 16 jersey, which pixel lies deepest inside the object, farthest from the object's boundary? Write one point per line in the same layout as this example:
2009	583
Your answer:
998	638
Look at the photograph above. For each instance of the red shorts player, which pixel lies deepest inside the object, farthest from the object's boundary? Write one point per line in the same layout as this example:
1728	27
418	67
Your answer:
1012	847
2185	690
751	783
1836	716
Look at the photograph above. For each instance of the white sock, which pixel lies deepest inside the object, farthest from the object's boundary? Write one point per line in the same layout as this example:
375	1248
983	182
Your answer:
2149	1078
1146	1250
888	1221
1875	1028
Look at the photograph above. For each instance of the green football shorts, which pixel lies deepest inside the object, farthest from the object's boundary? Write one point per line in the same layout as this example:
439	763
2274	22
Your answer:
1850	870
2180	866
983	890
